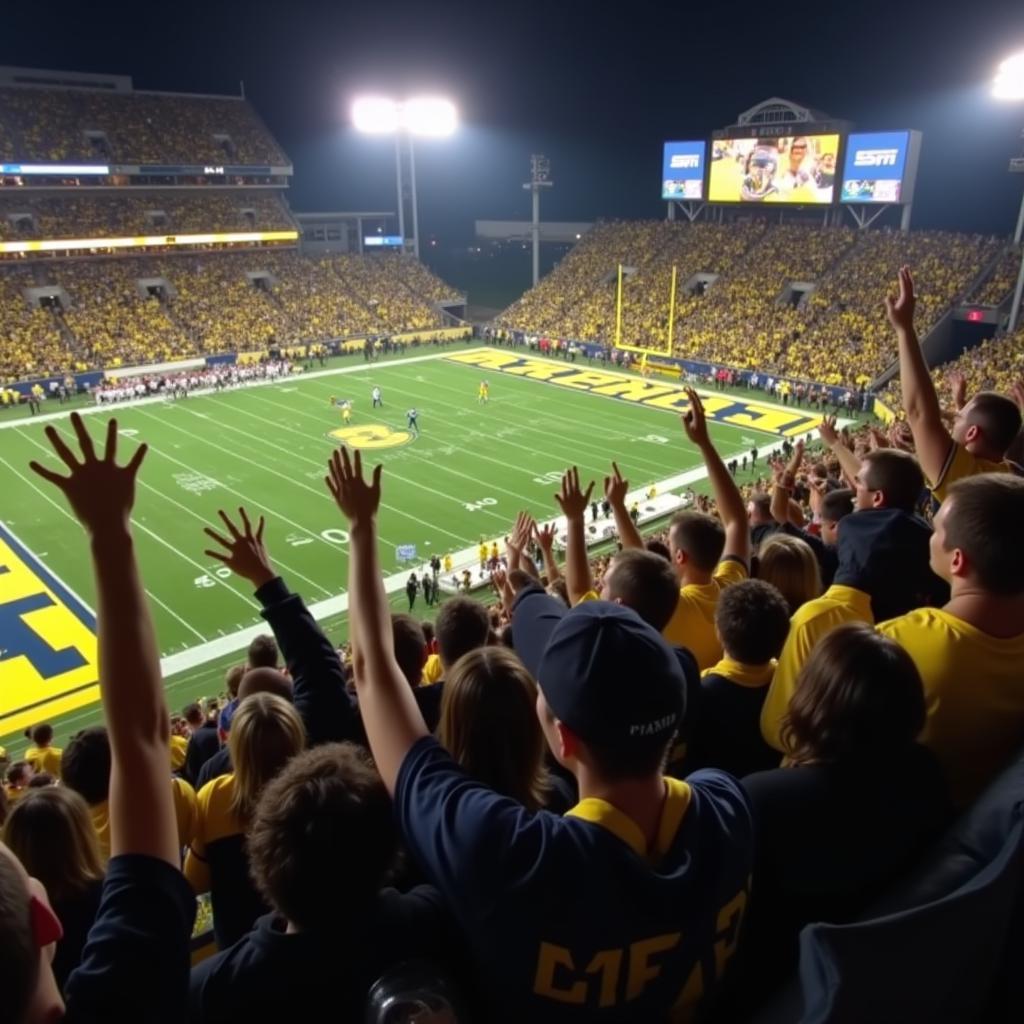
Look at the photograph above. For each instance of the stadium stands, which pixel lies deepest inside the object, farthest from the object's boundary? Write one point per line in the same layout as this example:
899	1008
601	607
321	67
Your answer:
27	216
76	125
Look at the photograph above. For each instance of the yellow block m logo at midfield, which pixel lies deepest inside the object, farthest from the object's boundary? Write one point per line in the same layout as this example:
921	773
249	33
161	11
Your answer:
48	658
371	435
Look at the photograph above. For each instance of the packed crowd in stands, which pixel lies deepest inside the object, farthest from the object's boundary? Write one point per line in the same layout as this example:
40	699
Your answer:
747	315
620	794
139	310
92	126
181	385
1000	282
25	216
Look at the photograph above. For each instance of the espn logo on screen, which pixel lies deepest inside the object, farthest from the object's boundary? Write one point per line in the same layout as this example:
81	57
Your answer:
876	158
685	160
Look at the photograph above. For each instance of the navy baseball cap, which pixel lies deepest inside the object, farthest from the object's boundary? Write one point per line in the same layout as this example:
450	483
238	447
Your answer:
611	678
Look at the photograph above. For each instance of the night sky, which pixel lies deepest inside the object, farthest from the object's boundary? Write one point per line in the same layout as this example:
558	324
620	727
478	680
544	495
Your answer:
595	86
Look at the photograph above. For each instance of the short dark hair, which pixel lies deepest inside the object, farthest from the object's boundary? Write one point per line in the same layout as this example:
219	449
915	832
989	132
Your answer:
701	536
233	678
16	772
896	474
41	735
859	695
193	714
984	520
85	764
41	780
658	547
645	582
19	964
461	626
836	505
428	631
263	652
265	680
997	416
762	504
323	837
752	618
410	647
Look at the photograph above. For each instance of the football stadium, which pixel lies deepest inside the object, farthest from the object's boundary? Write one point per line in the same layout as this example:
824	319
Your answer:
353	636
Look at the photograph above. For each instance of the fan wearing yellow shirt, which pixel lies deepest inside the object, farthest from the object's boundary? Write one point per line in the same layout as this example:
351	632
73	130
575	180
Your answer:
483	555
707	554
44	757
448	563
970	652
984	428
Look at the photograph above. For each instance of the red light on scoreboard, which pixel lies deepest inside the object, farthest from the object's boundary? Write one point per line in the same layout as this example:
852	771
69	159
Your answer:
975	315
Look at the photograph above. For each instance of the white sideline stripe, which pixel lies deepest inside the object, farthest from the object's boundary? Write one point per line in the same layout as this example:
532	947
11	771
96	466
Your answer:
293	378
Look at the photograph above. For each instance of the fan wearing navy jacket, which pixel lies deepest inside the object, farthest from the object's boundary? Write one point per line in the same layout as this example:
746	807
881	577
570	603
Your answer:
136	960
629	906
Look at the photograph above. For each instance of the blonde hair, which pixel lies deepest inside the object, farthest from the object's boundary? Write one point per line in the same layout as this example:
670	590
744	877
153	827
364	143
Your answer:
489	724
266	732
789	564
52	834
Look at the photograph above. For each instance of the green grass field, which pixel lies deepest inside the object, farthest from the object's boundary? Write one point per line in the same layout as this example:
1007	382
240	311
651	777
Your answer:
265	447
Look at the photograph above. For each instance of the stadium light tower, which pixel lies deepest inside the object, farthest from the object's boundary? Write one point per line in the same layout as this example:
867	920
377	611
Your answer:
540	177
1009	85
422	115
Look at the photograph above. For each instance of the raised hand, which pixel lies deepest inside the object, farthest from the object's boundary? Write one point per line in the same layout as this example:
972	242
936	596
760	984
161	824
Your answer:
545	536
900	309
502	587
616	487
244	553
357	499
828	432
100	492
572	500
694	421
878	439
519	538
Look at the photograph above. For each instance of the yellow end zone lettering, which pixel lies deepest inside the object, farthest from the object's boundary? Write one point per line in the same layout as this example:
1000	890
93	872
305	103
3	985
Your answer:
720	408
371	435
48	656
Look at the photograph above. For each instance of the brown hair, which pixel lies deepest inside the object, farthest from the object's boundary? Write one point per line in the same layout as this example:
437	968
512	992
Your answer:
752	619
410	647
51	833
322	837
266	732
984	521
701	536
896	474
262	652
859	695
997	416
645	582
788	563
460	626
489	724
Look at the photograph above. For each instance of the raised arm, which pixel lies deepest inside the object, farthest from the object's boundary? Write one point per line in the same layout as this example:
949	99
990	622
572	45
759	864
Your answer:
101	494
615	490
932	441
321	698
783	484
727	494
545	537
573	502
391	716
848	462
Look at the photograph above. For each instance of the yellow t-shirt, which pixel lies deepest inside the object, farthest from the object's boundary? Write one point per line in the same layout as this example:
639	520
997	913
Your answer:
179	745
432	670
100	814
960	464
483	553
44	759
812	621
754	676
214	820
693	623
184	812
974	692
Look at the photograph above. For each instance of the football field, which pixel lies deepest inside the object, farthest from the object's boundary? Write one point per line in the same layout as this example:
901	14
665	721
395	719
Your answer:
464	477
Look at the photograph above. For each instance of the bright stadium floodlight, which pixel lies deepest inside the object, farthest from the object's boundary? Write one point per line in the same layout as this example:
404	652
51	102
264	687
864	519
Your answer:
429	115
422	115
376	115
1009	81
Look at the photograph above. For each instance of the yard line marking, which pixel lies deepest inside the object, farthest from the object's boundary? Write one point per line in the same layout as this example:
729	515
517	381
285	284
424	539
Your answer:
171	611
